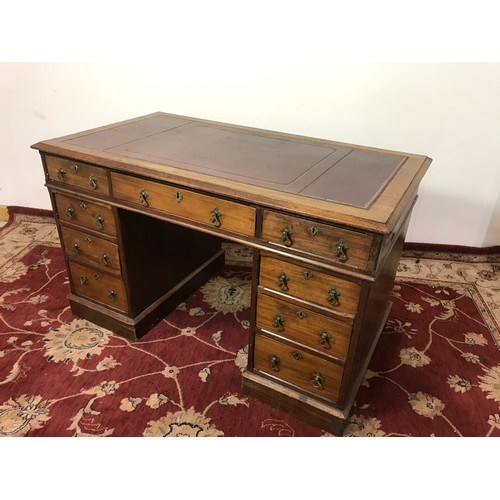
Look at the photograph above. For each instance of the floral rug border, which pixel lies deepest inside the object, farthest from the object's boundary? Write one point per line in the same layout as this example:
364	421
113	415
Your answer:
478	275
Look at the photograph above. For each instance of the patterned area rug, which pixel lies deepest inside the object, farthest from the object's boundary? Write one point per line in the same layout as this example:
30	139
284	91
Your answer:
436	368
435	371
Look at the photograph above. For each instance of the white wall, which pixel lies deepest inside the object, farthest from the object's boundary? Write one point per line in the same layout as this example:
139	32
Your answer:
254	74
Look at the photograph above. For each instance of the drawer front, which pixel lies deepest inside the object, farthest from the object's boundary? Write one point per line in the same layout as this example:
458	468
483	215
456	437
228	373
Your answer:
335	293
301	325
77	174
98	286
332	243
297	367
184	203
85	213
91	249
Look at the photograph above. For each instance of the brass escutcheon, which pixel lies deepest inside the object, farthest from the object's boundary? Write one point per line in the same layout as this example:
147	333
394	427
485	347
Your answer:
313	230
178	196
93	182
307	275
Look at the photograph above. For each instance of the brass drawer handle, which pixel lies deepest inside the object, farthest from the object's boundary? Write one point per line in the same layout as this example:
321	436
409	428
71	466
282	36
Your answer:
99	222
278	321
70	211
76	247
93	182
333	297
317	380
324	339
105	259
286	236
283	282
341	250
61	175
143	198
215	219
84	280
274	362
112	295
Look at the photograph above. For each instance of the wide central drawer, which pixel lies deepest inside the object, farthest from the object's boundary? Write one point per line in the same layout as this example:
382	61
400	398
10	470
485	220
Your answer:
337	294
311	373
301	325
185	203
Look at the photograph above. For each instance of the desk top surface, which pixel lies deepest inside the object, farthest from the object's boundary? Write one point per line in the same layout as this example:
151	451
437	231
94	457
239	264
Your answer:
356	185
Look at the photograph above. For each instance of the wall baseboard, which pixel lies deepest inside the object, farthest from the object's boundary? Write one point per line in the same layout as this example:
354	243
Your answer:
4	213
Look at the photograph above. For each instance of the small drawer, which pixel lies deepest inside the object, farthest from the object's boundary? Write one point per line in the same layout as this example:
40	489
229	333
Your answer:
330	242
77	174
297	367
90	249
182	202
98	286
314	330
332	292
88	214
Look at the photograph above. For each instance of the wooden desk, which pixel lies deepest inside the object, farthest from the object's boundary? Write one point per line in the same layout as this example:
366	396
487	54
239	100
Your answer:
142	207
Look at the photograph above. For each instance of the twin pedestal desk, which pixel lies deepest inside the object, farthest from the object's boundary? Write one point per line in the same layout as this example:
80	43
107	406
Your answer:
143	205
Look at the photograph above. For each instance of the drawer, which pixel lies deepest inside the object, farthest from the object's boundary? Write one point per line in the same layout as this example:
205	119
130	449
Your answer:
88	214
332	292
77	174
181	202
98	286
91	249
297	367
331	242
304	326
